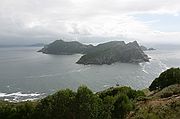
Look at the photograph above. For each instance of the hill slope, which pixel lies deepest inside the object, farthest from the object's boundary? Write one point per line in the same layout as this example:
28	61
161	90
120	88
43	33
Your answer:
164	104
114	51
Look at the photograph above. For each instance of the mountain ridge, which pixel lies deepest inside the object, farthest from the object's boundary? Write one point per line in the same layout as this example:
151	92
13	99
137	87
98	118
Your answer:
115	52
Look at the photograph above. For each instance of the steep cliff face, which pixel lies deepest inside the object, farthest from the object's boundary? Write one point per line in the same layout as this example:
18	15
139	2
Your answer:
60	47
115	51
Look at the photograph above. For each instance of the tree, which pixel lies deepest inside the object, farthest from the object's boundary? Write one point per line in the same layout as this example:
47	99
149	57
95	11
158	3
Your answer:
62	105
88	105
107	107
57	106
122	106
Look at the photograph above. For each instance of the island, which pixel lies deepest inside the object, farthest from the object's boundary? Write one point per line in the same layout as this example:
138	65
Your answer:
151	49
60	47
146	49
114	51
105	53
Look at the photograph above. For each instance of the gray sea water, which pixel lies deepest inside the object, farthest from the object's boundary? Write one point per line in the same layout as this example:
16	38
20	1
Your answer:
26	74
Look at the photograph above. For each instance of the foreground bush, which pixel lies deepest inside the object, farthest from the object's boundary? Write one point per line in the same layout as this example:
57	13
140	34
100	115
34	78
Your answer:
169	77
83	104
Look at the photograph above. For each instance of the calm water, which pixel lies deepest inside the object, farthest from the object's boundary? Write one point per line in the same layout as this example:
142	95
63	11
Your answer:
27	74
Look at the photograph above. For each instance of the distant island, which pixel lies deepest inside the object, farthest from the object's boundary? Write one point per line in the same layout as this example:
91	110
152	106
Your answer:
60	47
146	49
106	53
23	45
151	49
36	45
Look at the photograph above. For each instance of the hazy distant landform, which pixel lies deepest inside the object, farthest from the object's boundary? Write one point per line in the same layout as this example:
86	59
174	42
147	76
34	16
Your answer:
29	45
146	49
106	53
60	47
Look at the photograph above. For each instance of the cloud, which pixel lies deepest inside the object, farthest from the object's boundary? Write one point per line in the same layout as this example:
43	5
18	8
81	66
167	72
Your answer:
47	20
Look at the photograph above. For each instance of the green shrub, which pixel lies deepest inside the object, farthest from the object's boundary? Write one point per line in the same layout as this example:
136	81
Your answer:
132	94
169	77
122	106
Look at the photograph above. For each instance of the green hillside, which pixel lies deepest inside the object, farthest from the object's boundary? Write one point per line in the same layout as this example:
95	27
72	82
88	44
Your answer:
112	103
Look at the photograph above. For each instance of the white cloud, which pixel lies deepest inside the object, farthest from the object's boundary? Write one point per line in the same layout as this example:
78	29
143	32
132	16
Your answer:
51	19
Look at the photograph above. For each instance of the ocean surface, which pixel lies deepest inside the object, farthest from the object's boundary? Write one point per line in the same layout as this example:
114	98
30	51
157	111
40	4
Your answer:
27	75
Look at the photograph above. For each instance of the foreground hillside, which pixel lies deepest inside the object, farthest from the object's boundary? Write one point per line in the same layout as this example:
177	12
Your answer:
162	102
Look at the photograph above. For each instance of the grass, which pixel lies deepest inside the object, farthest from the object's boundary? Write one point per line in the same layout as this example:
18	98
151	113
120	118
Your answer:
164	104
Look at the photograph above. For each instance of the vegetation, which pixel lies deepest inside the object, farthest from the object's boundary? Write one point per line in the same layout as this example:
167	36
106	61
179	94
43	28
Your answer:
168	91
157	108
22	110
164	100
167	78
114	51
113	103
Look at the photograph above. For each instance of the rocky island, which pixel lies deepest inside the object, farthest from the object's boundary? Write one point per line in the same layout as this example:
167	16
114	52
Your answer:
151	49
106	53
60	47
146	49
114	51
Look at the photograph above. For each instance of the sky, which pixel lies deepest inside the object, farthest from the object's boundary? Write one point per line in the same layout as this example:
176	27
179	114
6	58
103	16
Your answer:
89	21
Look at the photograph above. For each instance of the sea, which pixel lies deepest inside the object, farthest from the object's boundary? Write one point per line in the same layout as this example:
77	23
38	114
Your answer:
26	74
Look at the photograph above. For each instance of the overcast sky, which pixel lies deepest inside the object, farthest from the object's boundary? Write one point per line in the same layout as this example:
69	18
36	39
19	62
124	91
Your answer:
34	21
